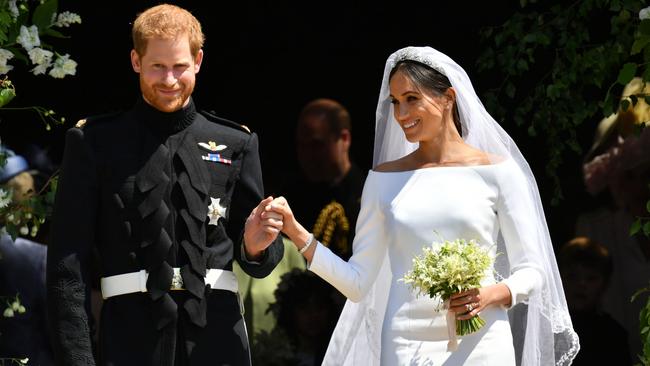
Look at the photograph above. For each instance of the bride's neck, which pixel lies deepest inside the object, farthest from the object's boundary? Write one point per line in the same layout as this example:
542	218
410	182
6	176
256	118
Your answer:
445	148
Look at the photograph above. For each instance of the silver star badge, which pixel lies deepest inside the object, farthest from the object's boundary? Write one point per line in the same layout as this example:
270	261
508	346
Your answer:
215	211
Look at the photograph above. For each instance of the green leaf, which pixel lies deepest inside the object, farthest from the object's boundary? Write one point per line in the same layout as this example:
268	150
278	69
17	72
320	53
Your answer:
636	227
608	105
522	64
644	27
627	73
44	13
646	228
639	44
6	95
54	33
530	38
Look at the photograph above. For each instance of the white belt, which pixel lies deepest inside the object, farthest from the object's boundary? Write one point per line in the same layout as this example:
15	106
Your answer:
128	283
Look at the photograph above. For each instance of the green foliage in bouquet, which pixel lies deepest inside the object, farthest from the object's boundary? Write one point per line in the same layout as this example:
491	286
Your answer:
446	268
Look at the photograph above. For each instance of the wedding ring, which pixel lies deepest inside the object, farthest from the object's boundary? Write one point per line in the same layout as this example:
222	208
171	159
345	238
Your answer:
470	307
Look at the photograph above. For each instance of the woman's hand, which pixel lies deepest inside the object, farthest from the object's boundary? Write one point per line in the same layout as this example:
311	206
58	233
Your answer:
468	304
291	227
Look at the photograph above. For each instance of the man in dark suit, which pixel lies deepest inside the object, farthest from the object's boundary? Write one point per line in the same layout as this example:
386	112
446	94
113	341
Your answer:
327	191
165	197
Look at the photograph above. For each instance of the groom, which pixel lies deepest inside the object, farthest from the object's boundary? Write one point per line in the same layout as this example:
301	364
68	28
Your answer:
165	196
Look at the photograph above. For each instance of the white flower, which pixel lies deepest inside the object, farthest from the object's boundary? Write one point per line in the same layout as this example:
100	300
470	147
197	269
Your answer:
644	13
8	313
5	69
28	37
40	56
13	9
5	198
63	66
215	211
40	69
5	55
66	18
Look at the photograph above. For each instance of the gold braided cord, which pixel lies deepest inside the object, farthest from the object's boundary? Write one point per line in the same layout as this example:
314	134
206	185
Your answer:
332	227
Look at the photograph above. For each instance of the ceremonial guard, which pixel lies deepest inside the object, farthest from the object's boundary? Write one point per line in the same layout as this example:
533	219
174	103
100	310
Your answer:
166	197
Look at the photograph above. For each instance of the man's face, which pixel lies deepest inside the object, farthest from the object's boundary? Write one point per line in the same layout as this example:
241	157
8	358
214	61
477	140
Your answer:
167	72
320	151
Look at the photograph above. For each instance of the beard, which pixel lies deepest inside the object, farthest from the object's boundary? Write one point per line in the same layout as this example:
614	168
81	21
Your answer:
166	103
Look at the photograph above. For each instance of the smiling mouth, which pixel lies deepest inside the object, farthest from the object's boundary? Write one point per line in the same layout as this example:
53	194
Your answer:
411	124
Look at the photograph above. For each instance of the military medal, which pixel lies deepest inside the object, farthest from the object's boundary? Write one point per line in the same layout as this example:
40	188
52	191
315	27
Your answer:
215	211
216	158
213	155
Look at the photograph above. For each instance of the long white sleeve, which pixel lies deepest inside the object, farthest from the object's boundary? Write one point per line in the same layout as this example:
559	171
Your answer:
355	277
516	220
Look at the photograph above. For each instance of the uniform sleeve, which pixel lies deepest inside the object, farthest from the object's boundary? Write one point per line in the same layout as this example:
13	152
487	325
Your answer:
248	193
355	277
516	216
69	254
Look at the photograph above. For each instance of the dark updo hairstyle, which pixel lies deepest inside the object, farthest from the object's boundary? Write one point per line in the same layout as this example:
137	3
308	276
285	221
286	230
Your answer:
429	79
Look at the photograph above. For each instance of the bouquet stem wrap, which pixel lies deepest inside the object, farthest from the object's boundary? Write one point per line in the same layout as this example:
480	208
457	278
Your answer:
452	345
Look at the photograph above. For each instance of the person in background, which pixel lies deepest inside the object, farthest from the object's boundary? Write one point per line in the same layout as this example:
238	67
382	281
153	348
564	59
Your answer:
327	192
23	330
616	172
586	268
258	293
306	315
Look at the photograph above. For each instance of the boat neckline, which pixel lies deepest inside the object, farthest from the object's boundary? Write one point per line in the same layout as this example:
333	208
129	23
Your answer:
442	167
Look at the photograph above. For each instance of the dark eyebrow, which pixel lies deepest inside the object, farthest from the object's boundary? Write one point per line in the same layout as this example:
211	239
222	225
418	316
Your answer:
406	92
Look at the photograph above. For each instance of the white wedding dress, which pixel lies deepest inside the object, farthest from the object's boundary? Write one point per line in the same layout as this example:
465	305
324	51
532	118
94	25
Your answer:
401	212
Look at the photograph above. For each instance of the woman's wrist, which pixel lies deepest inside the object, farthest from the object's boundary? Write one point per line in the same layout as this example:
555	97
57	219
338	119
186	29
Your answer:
500	294
308	243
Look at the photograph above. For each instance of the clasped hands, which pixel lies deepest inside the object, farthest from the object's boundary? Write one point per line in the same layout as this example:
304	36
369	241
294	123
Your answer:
261	229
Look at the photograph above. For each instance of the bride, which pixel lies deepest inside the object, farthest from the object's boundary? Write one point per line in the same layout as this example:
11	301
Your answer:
442	167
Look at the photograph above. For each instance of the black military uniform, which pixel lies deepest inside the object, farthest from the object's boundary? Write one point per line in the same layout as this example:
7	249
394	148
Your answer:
135	188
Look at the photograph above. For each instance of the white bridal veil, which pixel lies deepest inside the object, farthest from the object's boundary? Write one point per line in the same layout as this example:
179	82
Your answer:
541	326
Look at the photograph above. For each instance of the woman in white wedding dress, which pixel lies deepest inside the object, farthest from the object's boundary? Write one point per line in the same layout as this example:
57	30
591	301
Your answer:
443	168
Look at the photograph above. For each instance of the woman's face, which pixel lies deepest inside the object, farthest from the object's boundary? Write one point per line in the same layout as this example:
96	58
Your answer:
420	115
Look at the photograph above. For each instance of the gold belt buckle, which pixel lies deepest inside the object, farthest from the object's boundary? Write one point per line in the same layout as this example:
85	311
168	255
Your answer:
177	280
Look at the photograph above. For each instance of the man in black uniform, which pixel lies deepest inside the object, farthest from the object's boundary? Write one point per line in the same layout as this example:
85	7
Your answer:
166	197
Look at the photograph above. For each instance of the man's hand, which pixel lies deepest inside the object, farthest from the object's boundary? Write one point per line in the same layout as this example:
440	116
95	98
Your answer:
261	229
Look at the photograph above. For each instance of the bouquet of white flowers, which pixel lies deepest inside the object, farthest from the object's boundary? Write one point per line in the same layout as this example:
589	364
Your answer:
450	267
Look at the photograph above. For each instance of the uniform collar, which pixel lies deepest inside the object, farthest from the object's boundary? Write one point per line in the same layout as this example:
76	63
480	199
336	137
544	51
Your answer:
165	122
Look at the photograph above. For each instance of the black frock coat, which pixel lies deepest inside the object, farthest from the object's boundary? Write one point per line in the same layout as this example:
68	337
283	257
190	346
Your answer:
133	193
